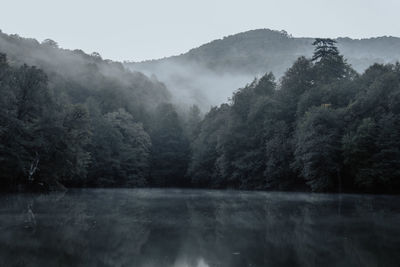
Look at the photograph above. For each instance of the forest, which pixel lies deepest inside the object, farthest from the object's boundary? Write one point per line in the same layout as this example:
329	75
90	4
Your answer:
207	75
76	120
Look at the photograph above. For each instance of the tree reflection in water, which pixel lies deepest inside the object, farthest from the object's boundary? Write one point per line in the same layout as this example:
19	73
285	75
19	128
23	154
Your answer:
179	228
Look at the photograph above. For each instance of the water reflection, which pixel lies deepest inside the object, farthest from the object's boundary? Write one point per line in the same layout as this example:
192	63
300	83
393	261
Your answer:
179	228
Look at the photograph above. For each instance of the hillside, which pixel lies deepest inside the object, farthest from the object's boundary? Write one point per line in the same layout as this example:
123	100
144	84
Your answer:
76	120
72	119
233	61
81	74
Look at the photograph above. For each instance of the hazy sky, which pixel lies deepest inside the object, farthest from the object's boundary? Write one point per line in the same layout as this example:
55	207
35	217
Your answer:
146	29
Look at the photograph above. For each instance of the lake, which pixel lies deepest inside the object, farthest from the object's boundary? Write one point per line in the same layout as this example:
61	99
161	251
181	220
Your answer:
200	228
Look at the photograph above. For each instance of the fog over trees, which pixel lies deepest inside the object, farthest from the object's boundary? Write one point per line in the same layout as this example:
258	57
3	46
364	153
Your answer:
73	119
76	120
207	75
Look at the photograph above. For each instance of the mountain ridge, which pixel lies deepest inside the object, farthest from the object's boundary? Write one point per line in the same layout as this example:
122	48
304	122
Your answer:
207	75
296	46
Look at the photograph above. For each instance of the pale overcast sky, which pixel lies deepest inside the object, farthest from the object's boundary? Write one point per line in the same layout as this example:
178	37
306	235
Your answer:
147	29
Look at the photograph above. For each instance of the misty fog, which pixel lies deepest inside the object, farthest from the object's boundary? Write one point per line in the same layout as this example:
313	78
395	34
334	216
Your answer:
198	228
194	84
253	147
110	126
209	74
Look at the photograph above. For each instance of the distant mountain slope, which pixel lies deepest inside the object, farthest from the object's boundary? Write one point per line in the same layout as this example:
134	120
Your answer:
258	51
238	58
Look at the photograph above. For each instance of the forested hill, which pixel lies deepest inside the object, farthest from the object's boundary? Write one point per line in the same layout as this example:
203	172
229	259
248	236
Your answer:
73	119
81	72
260	51
208	75
68	118
323	127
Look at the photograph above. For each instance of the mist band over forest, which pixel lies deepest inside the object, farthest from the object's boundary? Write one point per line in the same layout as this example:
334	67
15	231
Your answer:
311	122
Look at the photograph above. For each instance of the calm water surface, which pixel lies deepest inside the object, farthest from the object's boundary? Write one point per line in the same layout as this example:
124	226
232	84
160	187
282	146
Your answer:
179	228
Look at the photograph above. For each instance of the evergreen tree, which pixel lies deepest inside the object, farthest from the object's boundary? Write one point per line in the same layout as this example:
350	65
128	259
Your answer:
324	48
329	65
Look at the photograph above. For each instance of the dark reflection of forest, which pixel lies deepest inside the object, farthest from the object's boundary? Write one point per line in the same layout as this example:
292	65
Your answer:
179	228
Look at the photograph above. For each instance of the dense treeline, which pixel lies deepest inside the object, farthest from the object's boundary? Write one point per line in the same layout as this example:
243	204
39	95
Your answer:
322	128
81	121
48	141
72	119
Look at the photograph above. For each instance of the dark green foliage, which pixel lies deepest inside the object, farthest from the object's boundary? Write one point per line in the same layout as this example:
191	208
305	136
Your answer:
64	158
372	154
387	159
193	122
24	91
41	142
324	48
83	121
205	149
317	150
75	120
279	156
170	148
323	127
121	151
358	150
296	81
